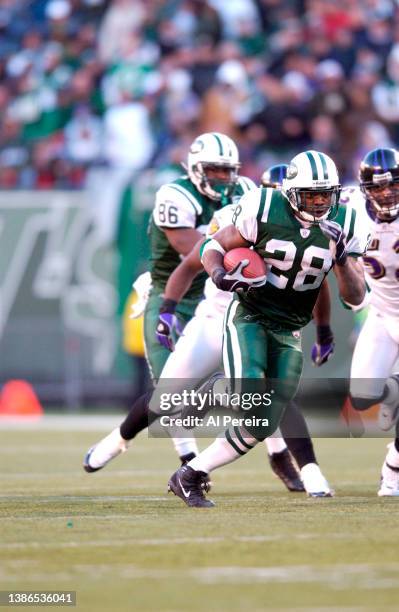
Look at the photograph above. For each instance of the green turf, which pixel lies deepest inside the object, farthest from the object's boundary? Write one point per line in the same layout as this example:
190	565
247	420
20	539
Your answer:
118	540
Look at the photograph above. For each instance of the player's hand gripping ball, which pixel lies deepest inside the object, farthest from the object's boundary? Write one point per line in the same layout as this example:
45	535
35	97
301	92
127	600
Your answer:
255	268
245	270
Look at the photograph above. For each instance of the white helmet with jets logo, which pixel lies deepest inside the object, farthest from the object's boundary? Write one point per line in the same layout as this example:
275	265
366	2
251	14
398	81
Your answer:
312	186
213	164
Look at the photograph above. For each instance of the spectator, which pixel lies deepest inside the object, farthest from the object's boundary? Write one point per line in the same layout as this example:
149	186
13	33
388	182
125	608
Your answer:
121	19
128	148
83	137
227	104
385	94
64	62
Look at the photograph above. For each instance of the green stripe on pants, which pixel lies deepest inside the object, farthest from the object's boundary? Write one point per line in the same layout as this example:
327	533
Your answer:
270	361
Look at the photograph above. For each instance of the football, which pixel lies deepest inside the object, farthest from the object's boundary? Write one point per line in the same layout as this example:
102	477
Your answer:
256	266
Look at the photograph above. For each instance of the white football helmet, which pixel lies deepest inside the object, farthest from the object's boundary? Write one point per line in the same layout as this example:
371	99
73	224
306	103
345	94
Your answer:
312	186
213	164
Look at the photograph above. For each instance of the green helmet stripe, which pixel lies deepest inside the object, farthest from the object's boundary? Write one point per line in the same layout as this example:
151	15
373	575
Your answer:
219	143
324	165
312	164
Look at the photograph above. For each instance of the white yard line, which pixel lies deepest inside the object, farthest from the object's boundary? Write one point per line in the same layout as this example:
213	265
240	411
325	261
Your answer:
171	541
338	577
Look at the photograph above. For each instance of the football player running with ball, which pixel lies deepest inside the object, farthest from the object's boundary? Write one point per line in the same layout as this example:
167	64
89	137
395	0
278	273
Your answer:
198	354
377	347
301	232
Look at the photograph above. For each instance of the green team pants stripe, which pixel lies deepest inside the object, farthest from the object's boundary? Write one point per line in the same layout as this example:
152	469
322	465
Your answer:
257	357
241	439
233	444
231	347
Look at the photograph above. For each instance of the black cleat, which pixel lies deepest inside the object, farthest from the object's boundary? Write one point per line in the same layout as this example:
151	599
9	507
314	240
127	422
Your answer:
189	485
207	482
282	465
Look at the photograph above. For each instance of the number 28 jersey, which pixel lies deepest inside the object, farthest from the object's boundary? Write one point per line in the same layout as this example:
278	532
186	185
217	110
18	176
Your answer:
297	255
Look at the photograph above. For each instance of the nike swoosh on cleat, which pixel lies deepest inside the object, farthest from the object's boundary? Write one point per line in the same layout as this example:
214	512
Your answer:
187	495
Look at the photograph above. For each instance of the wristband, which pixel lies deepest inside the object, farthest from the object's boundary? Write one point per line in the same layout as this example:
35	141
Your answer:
217	275
168	306
324	334
342	260
211	245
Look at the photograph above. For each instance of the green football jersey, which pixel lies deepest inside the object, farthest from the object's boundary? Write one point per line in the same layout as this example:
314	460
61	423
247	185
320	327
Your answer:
297	255
180	205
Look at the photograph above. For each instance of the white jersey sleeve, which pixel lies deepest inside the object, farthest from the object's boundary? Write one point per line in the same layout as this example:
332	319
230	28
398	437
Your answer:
221	218
246	213
357	222
175	207
246	184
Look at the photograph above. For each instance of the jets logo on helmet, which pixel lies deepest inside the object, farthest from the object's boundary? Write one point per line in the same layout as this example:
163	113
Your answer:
196	146
292	171
379	181
213	164
312	186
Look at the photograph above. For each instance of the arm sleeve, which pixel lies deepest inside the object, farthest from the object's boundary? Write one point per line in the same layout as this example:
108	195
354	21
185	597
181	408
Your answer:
175	207
245	216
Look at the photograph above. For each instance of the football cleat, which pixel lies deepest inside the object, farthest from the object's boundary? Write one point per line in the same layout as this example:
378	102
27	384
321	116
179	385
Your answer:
389	486
389	410
207	483
102	453
314	482
189	485
283	466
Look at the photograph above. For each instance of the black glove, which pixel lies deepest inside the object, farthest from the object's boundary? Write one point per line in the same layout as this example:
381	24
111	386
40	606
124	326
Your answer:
333	231
235	280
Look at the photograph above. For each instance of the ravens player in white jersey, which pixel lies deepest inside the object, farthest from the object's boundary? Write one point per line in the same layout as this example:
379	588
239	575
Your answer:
301	232
377	347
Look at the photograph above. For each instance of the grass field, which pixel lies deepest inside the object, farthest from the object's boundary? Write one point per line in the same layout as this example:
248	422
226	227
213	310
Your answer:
117	539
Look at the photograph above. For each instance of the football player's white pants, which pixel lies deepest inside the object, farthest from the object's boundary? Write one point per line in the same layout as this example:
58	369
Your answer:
376	350
196	357
198	352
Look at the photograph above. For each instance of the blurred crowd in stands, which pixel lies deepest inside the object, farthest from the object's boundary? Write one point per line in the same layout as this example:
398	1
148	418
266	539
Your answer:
127	84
